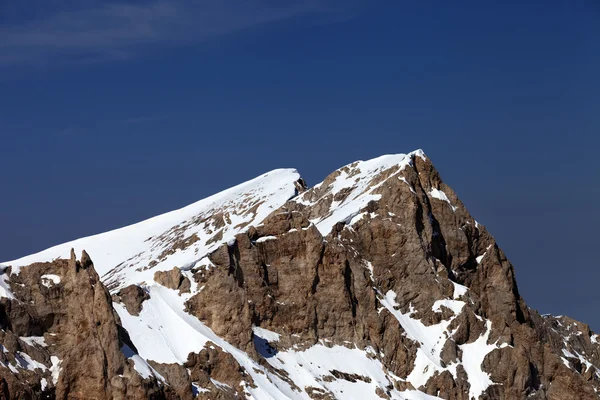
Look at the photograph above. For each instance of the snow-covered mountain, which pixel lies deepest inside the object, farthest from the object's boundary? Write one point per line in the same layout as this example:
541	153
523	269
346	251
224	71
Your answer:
375	283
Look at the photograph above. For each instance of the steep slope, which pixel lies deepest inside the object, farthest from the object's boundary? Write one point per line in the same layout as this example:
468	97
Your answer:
375	283
179	238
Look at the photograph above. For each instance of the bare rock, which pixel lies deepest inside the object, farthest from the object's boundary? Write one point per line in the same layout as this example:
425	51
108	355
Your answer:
133	297
173	279
82	333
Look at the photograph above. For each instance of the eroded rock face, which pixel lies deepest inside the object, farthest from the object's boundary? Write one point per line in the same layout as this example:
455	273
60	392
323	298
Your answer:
62	337
415	245
132	297
173	279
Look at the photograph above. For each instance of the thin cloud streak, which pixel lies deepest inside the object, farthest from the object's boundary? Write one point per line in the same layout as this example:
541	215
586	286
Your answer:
97	32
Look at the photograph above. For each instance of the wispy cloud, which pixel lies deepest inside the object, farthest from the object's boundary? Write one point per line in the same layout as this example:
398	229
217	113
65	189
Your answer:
91	31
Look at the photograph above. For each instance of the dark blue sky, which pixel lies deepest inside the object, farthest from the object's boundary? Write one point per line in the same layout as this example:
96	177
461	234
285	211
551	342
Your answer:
114	112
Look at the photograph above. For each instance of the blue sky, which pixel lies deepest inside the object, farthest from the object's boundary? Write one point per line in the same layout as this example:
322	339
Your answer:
112	112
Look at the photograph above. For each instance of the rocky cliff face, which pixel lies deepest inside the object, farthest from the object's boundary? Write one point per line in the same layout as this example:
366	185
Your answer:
61	338
375	283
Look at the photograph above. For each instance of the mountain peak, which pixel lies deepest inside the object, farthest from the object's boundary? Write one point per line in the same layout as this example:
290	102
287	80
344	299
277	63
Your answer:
375	283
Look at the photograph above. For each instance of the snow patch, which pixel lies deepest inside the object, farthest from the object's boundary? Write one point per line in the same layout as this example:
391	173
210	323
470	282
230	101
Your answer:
266	334
478	259
431	338
34	340
55	368
358	178
50	280
265	238
473	355
163	331
4	285
220	385
454	305
140	365
197	389
403	179
354	219
440	195
578	356
26	362
317	366
459	290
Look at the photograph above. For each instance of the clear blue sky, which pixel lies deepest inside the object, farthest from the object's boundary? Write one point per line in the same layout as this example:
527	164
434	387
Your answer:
114	112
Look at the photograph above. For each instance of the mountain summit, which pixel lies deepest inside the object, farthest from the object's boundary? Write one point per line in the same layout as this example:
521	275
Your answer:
375	283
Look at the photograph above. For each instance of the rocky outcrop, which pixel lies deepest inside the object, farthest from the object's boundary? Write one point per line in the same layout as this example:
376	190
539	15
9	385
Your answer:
173	279
62	339
132	297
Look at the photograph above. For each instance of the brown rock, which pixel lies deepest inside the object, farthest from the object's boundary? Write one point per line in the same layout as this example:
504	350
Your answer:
81	330
133	298
173	279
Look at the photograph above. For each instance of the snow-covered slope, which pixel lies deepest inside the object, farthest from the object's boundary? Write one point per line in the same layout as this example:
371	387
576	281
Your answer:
132	254
351	188
165	333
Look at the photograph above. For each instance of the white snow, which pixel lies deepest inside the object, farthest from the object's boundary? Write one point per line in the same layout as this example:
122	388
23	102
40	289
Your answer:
454	305
220	385
473	355
55	368
26	362
357	218
440	195
34	340
197	389
459	290
140	365
431	339
265	238
594	339
126	251
163	331
310	366
266	334
358	177
403	179
50	280
43	383
4	286
578	356
479	258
